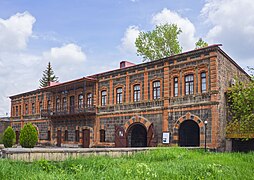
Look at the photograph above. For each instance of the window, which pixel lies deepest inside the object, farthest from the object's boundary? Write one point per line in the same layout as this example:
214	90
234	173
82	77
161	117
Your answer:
64	104
119	95
89	99
175	86
17	111
26	109
48	105
40	104
57	104
189	84
156	90
77	135
33	108
80	101
66	135
203	82
102	135
49	135
103	98
136	93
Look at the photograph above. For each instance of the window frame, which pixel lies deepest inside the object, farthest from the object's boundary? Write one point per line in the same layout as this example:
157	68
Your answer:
176	87
58	104
189	84
102	135
33	108
89	100
203	82
119	95
136	93
80	101
156	90
103	98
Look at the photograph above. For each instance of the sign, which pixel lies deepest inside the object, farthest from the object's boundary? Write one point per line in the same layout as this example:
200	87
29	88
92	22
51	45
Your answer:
165	137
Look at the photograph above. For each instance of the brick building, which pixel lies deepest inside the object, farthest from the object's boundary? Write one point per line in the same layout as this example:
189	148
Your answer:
135	104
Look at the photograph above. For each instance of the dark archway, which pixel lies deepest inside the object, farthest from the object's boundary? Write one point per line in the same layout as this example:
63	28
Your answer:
189	134
137	136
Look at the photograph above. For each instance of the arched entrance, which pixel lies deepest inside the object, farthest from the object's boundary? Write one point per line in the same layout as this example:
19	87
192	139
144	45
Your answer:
189	134
137	135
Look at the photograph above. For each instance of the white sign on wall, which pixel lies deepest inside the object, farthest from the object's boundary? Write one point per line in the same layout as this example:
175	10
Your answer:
165	137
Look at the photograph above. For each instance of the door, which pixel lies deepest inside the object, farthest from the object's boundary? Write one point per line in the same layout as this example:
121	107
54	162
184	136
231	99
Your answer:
120	137
138	136
151	142
72	104
86	138
189	134
17	137
59	138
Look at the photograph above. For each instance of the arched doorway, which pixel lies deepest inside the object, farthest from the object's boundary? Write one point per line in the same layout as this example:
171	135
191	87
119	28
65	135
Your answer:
137	136
189	134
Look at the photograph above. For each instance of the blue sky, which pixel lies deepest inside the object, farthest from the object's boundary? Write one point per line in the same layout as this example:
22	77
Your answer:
83	37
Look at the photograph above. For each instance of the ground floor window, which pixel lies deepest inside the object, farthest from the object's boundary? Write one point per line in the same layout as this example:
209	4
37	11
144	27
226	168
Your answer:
66	135
49	135
102	135
77	135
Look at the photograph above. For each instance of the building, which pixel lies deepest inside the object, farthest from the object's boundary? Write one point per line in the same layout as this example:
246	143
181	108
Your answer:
4	123
136	105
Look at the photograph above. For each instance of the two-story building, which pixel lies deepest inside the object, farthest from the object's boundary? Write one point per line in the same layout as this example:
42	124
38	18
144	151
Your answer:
134	105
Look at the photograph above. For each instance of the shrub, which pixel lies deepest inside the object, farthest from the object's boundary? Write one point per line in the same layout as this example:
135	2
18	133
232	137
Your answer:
9	137
28	136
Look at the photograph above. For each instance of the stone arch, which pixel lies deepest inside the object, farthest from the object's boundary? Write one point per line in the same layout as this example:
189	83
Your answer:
189	116
137	119
91	134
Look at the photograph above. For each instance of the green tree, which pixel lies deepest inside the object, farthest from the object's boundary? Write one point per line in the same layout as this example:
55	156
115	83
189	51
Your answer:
28	136
241	105
159	43
9	137
48	76
200	43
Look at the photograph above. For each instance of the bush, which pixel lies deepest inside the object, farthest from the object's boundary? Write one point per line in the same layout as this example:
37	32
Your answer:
28	136
9	137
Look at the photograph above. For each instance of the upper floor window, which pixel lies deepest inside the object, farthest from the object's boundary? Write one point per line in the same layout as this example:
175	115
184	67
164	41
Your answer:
189	84
17	111
80	101
64	104
89	99
156	90
119	95
136	93
103	98
203	82
40	106
49	104
33	108
26	109
57	104
175	86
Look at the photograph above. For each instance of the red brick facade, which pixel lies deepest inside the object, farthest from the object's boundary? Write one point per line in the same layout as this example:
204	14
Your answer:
188	87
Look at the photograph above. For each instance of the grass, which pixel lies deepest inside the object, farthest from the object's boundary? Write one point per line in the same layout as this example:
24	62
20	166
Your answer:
163	163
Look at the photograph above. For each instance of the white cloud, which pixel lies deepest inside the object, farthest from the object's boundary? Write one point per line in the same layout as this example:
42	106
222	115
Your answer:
128	41
232	24
187	38
15	31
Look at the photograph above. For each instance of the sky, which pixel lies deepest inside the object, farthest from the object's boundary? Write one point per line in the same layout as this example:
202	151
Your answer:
85	37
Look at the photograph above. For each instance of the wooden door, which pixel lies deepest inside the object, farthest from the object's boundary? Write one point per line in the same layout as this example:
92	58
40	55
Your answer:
151	136
59	138
17	137
120	137
86	138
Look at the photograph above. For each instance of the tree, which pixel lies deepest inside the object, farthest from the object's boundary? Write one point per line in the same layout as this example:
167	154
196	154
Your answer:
159	43
48	76
200	43
9	137
28	136
241	105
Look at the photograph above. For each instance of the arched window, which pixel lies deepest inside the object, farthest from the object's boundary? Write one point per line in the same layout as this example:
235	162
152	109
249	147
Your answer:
89	99
40	104
26	109
156	90
57	104
64	104
175	86
203	82
33	108
102	135
80	101
136	93
119	95
103	98
189	84
48	105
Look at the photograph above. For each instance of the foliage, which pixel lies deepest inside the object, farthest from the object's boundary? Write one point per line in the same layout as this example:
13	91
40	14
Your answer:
163	163
9	137
48	76
200	43
1	138
241	104
28	136
159	43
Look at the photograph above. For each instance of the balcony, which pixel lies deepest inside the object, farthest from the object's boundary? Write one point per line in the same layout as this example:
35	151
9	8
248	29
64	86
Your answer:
71	111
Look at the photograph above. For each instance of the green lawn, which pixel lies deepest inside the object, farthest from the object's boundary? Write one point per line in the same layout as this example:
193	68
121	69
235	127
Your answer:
163	163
